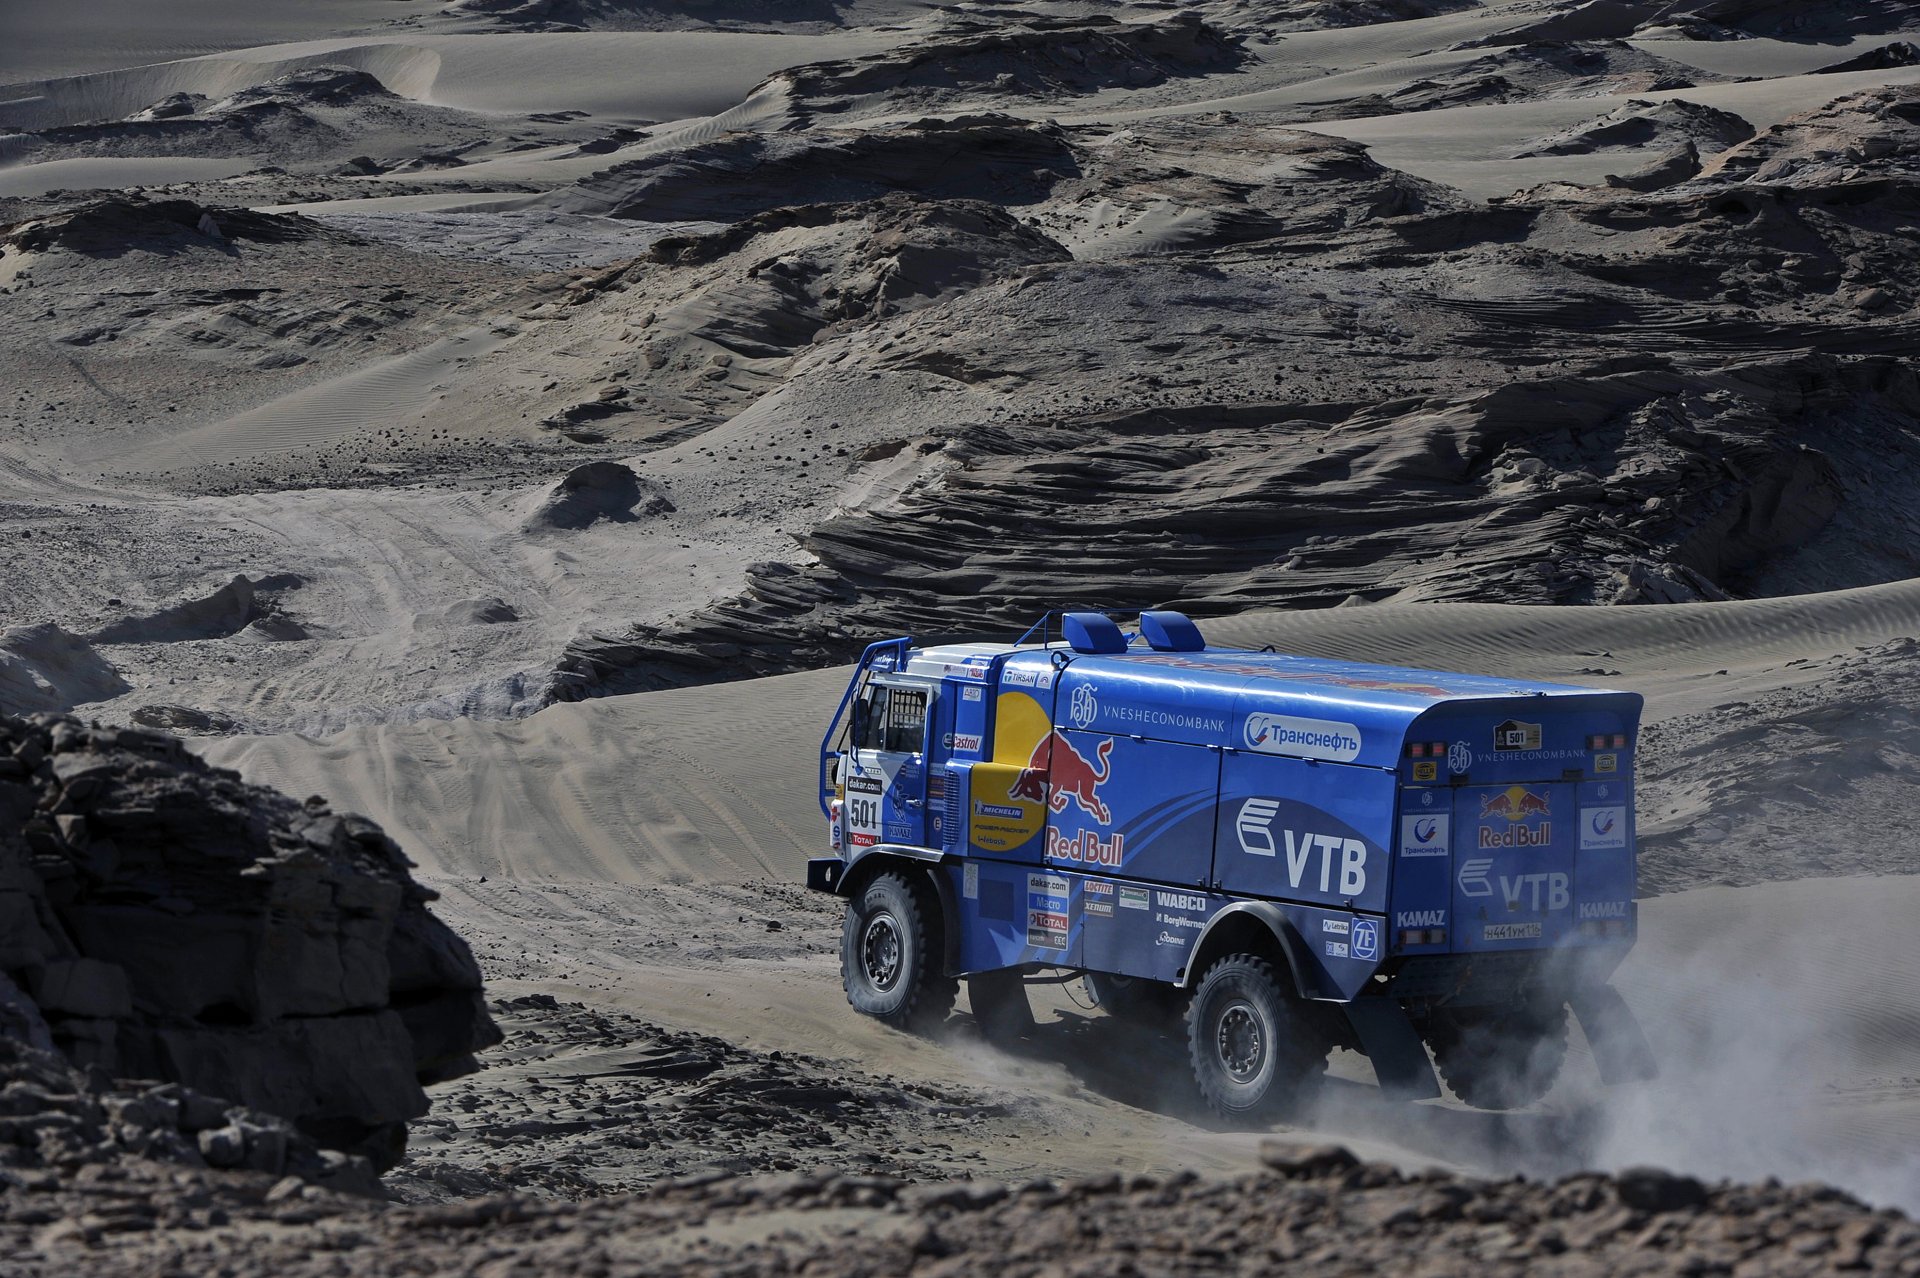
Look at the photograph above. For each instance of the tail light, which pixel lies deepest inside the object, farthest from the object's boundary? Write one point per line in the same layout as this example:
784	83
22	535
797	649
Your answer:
1423	936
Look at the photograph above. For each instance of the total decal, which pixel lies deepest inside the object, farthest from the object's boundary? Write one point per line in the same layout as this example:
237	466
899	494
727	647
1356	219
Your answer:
1340	860
1515	807
1048	900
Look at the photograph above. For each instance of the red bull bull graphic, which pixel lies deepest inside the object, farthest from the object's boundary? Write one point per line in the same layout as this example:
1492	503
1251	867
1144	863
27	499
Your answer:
1517	806
1058	774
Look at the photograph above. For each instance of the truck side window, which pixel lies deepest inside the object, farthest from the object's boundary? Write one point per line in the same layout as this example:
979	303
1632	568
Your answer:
870	719
906	721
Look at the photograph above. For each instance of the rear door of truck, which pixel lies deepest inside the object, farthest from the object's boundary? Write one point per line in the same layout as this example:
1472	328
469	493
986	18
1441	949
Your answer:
1513	860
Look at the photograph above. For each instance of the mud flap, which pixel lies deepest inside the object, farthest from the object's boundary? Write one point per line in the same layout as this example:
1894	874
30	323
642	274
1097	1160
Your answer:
1390	1042
1620	1049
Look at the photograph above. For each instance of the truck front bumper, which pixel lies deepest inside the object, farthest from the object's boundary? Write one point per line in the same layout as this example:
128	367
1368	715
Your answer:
825	872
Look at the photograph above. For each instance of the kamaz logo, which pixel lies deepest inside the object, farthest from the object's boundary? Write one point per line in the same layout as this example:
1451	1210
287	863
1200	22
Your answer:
1420	918
1179	901
1254	826
1603	909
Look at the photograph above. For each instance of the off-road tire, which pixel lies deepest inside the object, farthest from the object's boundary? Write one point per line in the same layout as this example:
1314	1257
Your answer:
890	954
1499	1057
1133	998
1000	1006
1254	1054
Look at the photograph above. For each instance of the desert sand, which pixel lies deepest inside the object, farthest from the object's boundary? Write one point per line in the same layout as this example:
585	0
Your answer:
505	420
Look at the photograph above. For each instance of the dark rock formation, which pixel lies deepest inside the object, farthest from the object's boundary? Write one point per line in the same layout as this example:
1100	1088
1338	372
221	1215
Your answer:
600	490
174	923
60	1122
1313	1210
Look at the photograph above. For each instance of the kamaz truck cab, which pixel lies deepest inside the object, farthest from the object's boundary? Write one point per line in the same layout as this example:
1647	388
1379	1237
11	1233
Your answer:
1298	853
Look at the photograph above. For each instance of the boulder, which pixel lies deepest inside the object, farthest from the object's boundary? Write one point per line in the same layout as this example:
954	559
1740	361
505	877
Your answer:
174	923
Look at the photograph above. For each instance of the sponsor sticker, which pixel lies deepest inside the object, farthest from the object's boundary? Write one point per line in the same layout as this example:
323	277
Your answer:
1420	918
1603	910
1017	678
970	693
1459	757
1337	949
862	810
1602	828
1424	834
1098	887
1606	763
1328	739
1515	735
1047	904
1510	932
1099	909
1426	771
1134	899
965	741
1366	938
1337	927
1168	938
1083	707
970	882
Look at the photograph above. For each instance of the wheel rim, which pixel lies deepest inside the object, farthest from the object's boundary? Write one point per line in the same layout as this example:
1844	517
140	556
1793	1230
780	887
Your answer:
1241	1041
881	950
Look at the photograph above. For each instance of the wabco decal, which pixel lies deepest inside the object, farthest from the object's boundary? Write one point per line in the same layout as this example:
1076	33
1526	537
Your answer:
1515	805
1424	834
1420	918
1602	828
1057	774
1302	738
1179	901
1254	826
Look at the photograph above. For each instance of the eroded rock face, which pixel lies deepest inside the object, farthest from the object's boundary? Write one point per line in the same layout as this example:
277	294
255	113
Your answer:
171	922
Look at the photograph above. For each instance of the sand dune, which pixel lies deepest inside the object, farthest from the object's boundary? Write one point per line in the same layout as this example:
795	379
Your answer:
506	419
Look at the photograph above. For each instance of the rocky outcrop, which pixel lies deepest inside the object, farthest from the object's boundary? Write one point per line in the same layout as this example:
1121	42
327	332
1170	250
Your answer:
60	1123
1311	1210
171	922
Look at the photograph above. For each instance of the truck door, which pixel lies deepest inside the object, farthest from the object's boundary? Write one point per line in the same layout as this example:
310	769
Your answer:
887	767
1513	851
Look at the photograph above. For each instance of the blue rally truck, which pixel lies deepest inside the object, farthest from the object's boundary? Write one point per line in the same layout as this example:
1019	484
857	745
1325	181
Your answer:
1300	853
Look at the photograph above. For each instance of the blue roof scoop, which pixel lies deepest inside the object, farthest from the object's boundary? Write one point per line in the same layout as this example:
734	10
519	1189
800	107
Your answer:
1092	632
1171	632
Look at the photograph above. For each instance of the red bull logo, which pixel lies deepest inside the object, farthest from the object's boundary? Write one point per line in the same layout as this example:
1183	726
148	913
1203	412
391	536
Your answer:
1515	805
1058	774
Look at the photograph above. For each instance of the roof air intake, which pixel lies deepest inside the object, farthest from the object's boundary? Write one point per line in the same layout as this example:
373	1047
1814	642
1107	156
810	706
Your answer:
1171	632
1092	632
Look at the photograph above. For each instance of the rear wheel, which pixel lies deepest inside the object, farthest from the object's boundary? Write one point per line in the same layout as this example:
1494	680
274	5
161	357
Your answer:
1254	1053
889	958
1000	1006
1131	997
1499	1057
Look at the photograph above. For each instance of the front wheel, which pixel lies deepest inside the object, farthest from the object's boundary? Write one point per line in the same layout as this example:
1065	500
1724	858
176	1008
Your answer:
1253	1051
889	962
